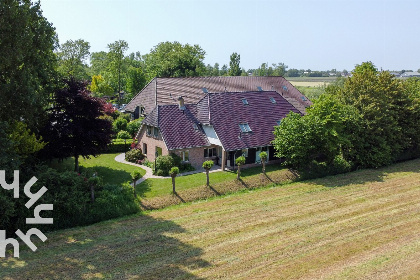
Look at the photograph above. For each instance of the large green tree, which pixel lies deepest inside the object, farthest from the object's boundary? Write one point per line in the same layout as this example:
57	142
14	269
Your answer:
117	66
28	63
72	59
172	59
370	120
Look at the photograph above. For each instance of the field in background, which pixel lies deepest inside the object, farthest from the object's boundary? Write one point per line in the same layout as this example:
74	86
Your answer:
310	81
361	225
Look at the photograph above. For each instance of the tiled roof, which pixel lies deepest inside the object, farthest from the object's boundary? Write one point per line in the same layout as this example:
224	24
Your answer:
179	128
227	111
161	91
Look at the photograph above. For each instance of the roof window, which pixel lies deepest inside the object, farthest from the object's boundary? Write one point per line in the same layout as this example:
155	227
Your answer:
205	90
278	122
303	98
285	88
244	127
259	88
245	101
273	100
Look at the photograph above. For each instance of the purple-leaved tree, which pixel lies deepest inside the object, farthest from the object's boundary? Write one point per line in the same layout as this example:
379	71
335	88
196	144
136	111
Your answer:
75	127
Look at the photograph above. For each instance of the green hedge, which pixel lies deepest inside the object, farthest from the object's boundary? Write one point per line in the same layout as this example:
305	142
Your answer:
120	146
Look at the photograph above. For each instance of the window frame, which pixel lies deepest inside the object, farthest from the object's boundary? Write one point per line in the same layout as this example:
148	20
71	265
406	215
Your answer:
245	128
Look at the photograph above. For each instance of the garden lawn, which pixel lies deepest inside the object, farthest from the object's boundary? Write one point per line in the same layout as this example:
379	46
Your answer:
160	187
111	171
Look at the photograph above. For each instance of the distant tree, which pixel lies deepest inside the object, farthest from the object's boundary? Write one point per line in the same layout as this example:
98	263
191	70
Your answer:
72	57
28	63
207	165
365	67
172	59
99	86
75	127
216	70
224	70
239	162
116	66
174	172
234	68
263	156
98	63
279	69
136	80
292	73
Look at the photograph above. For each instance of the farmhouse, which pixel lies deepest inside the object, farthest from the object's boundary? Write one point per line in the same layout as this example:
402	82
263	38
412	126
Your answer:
218	126
165	91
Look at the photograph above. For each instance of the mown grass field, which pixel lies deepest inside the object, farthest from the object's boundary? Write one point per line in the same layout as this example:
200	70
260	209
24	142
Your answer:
361	225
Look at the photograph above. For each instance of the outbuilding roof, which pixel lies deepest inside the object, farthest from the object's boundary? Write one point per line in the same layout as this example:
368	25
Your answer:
163	91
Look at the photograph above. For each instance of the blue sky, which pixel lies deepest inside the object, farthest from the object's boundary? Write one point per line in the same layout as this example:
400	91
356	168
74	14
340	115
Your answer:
303	34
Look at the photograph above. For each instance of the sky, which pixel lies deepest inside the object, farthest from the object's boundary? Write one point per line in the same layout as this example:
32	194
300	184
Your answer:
302	34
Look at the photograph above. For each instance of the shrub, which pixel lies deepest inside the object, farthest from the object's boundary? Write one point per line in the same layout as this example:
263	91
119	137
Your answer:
147	163
186	166
160	172
133	127
123	135
208	164
119	124
174	171
134	155
164	163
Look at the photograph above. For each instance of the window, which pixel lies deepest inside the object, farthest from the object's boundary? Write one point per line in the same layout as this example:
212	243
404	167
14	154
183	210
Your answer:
285	88
185	155
155	132
210	152
278	122
195	126
158	151
149	130
245	101
245	152
244	127
273	100
259	88
144	148
303	98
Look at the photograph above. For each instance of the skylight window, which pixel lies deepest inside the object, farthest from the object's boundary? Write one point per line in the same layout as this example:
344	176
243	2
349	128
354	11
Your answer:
259	88
205	90
245	101
285	88
273	100
303	98
195	126
244	127
278	122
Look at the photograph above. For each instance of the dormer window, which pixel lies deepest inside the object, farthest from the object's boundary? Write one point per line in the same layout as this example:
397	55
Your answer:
149	130
245	101
273	100
244	127
155	132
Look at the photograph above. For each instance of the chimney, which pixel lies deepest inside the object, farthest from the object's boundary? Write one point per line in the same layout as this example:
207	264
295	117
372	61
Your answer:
181	103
